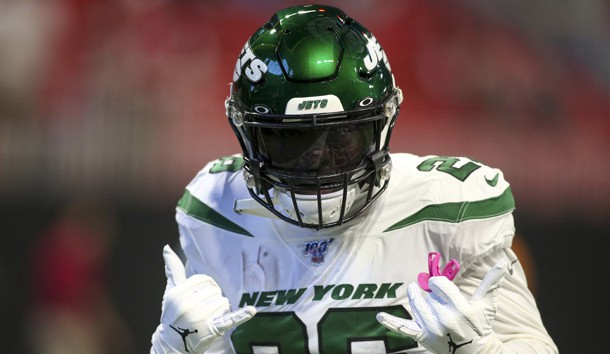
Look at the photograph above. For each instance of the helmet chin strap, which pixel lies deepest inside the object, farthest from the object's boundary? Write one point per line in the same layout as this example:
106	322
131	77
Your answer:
308	205
251	207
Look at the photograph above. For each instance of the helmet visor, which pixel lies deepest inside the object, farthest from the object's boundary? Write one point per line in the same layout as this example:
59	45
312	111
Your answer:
316	151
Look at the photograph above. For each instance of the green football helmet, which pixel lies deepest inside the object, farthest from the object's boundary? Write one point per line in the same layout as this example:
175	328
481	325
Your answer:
313	102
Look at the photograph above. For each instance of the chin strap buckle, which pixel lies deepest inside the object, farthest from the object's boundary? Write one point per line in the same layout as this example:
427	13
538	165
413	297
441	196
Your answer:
382	166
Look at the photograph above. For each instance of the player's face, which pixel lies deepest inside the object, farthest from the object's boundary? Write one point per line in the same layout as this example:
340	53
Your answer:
314	152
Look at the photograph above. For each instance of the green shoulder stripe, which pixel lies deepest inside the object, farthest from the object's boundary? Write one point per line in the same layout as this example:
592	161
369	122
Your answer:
460	211
199	210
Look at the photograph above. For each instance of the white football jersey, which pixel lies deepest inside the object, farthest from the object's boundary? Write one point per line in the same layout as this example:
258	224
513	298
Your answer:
318	291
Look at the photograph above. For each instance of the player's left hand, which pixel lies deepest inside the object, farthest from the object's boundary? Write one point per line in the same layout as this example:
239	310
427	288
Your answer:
194	312
445	320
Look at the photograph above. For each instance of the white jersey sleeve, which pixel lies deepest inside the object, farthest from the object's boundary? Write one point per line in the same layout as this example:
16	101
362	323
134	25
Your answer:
318	291
466	210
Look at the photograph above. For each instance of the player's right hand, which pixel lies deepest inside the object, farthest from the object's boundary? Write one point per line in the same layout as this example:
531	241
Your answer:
194	311
445	320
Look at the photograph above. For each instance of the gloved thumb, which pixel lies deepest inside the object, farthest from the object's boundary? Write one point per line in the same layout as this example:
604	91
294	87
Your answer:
232	319
174	269
400	325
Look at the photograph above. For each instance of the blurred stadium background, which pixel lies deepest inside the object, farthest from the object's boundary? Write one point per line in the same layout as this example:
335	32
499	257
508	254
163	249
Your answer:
109	107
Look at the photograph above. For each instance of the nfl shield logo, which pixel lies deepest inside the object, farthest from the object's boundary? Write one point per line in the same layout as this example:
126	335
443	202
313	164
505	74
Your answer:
316	250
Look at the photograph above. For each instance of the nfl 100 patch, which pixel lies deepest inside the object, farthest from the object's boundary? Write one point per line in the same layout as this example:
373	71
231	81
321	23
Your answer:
316	250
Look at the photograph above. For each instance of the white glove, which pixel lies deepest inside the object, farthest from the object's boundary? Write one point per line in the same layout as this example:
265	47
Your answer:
194	312
444	320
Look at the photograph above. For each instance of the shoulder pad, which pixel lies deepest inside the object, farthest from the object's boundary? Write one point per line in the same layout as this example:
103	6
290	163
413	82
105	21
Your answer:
209	197
450	189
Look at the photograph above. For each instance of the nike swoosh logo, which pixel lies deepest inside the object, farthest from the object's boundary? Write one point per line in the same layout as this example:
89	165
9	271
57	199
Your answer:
494	181
510	268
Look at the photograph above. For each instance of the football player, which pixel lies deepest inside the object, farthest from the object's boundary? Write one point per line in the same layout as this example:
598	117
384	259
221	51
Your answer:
316	239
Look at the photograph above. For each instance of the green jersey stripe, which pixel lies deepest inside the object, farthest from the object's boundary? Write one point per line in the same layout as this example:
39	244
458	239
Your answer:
459	211
199	210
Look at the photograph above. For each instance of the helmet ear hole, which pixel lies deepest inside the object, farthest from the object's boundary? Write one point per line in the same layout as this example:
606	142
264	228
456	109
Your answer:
262	109
366	102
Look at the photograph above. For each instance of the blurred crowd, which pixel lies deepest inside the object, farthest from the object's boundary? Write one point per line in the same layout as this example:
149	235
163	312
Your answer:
128	94
70	305
122	101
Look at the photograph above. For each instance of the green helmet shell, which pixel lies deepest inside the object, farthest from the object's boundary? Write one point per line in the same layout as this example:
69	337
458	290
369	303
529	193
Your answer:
308	51
312	103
